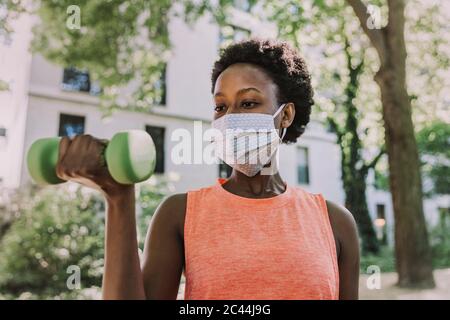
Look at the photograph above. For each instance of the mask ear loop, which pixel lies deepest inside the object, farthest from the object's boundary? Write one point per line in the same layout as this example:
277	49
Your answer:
283	134
276	114
273	167
279	110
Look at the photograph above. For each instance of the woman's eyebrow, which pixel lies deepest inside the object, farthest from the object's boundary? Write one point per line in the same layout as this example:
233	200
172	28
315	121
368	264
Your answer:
241	91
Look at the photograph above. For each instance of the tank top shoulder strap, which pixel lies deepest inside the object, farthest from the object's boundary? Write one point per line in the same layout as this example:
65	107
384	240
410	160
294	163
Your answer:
316	203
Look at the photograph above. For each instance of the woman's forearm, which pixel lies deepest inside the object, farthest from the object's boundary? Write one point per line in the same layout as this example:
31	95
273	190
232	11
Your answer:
122	276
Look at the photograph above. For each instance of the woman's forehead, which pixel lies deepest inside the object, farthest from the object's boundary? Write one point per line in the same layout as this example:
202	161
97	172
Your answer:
243	75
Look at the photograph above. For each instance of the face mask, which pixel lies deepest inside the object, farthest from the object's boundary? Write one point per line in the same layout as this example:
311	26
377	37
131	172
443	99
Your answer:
247	141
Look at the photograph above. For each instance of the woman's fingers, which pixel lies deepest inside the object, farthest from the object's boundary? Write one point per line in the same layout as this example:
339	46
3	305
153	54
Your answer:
81	159
64	145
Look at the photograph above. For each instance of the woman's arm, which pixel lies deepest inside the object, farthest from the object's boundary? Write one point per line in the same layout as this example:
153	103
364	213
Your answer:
163	258
80	160
122	277
347	243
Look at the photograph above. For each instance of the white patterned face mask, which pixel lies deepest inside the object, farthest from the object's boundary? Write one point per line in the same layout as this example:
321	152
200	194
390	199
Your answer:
247	141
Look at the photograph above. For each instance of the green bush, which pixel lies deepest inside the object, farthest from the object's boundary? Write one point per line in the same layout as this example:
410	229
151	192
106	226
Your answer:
385	260
151	194
47	230
440	245
440	248
57	229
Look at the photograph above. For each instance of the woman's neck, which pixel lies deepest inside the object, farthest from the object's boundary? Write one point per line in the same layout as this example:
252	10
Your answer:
258	186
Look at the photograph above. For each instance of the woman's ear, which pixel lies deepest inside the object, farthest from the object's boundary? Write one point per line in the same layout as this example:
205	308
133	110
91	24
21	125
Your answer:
287	115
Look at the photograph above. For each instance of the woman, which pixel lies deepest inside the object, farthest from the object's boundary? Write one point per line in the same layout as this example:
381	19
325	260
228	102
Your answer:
251	236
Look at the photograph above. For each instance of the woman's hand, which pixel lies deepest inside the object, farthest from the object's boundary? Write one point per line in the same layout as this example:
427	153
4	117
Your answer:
81	159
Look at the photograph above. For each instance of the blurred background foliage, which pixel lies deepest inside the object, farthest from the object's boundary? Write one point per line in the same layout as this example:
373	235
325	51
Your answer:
43	231
46	230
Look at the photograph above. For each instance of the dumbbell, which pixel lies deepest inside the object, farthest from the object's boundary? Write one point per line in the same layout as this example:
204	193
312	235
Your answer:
130	157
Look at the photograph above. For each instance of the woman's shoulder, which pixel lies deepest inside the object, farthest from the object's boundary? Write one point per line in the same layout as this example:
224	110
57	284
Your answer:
342	222
174	201
172	209
171	212
340	214
177	202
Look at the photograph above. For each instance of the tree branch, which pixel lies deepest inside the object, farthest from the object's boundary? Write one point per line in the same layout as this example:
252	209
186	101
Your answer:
360	66
396	17
335	127
375	160
376	36
396	30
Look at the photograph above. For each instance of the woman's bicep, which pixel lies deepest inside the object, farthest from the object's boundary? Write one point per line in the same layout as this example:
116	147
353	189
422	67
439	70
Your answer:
163	256
345	229
349	265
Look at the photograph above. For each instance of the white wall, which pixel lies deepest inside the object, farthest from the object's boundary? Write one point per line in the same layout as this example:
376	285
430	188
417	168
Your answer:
15	61
189	69
49	109
324	163
31	111
188	99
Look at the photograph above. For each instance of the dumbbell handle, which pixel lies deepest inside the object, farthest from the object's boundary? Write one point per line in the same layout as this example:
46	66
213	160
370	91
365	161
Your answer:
130	157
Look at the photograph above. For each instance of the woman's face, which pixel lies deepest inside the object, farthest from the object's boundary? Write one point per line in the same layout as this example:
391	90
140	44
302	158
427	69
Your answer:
244	88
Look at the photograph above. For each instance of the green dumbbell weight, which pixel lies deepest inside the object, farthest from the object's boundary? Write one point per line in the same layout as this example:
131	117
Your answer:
130	157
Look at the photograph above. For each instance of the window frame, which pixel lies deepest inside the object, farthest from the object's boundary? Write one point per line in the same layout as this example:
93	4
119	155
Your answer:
70	115
297	164
162	162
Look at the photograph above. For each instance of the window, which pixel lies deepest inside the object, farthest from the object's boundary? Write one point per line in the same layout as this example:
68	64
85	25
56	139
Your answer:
78	80
224	170
161	86
380	223
70	125
302	166
381	211
157	134
229	34
2	132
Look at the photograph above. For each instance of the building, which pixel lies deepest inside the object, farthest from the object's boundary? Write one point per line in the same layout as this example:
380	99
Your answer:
46	100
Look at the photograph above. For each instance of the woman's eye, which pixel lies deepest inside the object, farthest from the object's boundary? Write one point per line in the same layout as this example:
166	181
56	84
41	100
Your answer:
219	108
248	104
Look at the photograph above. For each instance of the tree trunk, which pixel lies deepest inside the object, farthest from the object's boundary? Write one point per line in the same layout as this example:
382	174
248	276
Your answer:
353	174
356	202
412	250
413	255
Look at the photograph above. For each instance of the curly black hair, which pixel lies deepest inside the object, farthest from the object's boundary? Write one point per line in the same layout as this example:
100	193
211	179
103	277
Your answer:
285	67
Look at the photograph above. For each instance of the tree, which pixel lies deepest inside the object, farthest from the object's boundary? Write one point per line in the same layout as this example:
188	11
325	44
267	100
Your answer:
9	11
346	99
123	44
413	254
354	168
109	43
59	232
434	146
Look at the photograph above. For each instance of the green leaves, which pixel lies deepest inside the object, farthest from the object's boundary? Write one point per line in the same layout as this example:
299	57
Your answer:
57	228
118	41
433	142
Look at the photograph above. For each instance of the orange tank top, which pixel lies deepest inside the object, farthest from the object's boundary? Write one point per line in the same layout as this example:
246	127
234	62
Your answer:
279	248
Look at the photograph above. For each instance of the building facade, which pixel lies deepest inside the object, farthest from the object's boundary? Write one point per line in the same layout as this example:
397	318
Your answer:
46	100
